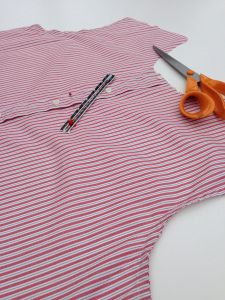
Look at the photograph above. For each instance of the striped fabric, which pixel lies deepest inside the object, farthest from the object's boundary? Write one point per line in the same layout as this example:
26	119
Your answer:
80	212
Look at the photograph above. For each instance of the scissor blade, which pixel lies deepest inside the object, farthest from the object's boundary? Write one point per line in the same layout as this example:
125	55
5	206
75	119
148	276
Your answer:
182	69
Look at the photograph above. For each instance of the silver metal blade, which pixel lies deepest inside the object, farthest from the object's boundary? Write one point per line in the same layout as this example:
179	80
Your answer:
182	69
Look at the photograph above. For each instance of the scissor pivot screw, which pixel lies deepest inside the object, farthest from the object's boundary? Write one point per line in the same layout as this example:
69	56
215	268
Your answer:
190	72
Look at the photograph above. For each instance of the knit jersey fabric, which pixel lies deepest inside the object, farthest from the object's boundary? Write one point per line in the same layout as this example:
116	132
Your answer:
81	212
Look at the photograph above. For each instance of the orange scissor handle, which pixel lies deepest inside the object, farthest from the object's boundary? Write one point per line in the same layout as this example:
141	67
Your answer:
206	103
215	89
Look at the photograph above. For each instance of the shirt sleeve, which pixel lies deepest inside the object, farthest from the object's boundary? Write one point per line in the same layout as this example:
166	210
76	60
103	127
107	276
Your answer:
39	68
168	40
134	40
134	37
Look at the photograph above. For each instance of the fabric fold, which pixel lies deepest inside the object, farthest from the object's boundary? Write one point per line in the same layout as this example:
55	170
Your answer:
41	68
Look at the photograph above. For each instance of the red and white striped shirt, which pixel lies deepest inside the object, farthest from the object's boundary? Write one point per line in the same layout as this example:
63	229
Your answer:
80	212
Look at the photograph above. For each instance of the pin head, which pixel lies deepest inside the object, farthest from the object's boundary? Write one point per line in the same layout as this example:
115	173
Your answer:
70	122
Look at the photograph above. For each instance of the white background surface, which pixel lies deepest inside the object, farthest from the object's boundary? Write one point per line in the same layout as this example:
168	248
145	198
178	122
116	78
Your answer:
188	262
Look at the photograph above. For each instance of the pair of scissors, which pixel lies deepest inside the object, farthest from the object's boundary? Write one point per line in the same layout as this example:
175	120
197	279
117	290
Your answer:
208	93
